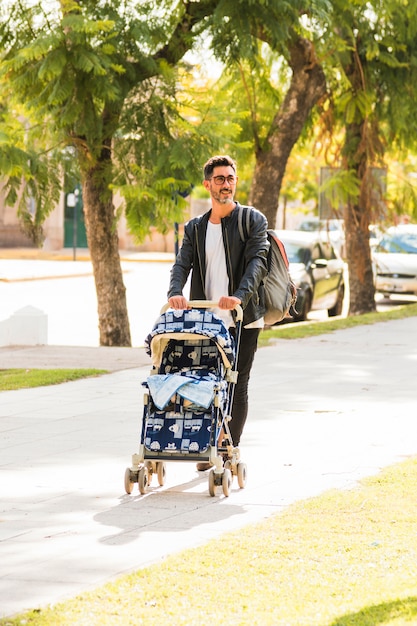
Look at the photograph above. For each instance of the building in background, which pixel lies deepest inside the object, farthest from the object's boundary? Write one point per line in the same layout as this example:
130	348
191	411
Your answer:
65	228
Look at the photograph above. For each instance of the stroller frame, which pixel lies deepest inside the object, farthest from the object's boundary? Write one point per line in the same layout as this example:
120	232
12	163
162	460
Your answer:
220	452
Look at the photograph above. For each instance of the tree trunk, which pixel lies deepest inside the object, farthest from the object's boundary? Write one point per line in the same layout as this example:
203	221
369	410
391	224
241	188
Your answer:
358	153
356	215
308	85
361	281
103	243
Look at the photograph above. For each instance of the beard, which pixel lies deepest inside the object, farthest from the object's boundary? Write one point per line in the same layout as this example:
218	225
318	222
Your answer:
223	198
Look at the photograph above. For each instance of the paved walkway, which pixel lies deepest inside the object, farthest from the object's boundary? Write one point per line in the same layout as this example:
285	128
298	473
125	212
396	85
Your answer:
61	357
324	412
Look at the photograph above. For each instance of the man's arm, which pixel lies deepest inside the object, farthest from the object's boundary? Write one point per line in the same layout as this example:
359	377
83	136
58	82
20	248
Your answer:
180	271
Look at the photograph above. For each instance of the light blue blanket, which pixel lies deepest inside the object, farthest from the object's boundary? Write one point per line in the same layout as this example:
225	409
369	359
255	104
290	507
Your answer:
163	386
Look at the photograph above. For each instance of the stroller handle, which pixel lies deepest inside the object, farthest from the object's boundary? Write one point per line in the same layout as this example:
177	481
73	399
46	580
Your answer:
208	304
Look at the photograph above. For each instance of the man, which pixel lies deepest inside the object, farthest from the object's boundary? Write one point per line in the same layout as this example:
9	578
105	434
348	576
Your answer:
227	270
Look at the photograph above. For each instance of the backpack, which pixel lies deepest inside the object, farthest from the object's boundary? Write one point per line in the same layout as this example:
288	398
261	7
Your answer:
280	291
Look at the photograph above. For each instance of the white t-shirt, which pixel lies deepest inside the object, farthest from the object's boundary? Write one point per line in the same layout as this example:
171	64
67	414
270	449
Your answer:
217	280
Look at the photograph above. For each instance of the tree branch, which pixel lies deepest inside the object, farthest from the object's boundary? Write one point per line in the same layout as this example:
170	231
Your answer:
182	38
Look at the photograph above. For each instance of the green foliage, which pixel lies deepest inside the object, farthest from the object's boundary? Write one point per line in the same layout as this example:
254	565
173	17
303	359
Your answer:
79	72
103	74
158	169
235	21
240	106
376	45
355	106
31	174
369	55
94	74
342	187
301	180
402	186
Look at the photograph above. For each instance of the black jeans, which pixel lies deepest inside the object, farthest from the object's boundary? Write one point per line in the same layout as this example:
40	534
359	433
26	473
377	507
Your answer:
248	346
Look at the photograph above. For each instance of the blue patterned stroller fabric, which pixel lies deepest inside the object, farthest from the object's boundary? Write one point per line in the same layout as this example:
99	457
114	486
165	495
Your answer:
192	321
187	433
190	352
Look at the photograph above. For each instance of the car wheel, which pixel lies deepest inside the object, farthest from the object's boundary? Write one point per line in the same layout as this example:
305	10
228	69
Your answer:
301	312
338	307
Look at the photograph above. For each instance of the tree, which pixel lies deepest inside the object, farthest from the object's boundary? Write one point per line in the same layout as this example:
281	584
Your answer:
272	103
371	75
97	79
280	83
90	76
365	51
307	86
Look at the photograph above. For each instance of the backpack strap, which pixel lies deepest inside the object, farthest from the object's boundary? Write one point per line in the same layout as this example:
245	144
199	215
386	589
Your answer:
272	235
243	225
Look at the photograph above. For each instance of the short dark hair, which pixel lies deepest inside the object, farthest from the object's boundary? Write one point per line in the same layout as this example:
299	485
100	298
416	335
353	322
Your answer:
217	161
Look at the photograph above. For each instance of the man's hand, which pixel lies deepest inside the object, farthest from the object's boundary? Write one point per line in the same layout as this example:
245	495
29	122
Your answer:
228	302
178	302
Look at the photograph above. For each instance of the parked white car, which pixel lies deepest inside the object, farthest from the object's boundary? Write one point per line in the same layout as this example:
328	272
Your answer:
331	230
395	261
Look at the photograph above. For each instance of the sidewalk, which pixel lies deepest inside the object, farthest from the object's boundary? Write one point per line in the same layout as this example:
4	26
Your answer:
324	412
63	357
83	254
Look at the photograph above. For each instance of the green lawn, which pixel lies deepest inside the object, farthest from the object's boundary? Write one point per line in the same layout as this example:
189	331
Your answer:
12	379
345	558
310	329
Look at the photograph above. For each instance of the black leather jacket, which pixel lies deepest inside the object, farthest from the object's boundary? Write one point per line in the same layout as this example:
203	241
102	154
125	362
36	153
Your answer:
246	261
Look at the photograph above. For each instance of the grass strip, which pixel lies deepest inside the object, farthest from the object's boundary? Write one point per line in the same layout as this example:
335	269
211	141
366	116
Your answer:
311	329
12	379
345	558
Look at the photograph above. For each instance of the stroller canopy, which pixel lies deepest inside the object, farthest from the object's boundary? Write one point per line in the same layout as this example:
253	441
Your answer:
186	324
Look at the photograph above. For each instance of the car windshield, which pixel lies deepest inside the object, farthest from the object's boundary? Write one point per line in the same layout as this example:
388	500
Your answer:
297	253
405	243
315	225
310	225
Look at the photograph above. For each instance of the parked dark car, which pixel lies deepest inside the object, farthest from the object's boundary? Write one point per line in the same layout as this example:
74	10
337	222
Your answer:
317	271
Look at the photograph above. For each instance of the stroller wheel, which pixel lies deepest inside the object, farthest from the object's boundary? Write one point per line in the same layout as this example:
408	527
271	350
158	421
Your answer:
212	483
128	481
151	467
161	471
242	474
143	479
227	481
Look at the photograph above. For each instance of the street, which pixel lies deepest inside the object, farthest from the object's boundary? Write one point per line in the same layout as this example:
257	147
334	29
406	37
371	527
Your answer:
70	301
65	291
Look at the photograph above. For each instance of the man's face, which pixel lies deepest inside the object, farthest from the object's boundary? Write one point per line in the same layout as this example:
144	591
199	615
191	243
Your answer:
222	184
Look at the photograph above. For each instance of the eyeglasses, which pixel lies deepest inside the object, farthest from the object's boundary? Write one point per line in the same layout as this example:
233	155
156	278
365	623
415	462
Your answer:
220	180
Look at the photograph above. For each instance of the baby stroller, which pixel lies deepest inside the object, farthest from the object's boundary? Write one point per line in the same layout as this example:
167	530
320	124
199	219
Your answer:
188	398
